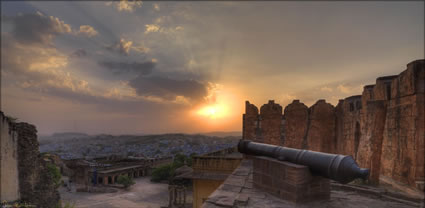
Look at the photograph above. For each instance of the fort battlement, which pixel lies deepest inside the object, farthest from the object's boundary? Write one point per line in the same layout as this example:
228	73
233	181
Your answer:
383	128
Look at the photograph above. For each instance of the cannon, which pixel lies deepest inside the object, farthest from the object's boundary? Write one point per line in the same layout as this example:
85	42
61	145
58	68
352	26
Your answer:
341	168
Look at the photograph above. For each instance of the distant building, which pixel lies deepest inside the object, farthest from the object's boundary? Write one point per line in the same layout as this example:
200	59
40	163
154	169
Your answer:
210	171
86	173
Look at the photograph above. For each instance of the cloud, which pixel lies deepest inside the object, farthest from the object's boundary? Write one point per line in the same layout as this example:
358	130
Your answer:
326	89
140	49
37	28
123	47
143	68
343	89
156	7
79	53
151	28
350	89
18	57
87	30
163	19
38	68
44	70
168	88
286	98
126	5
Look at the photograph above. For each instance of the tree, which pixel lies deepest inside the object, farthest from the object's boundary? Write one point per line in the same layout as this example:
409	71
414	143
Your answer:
161	173
165	172
179	160
125	180
55	174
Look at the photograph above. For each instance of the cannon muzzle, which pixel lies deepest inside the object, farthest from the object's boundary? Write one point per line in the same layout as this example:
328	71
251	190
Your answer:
341	168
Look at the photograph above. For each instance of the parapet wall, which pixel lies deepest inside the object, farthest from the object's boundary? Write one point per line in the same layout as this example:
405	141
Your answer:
383	129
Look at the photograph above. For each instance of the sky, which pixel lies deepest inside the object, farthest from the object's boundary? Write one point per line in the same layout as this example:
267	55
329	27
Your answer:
144	67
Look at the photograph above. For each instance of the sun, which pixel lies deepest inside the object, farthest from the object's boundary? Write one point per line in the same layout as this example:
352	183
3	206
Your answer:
213	111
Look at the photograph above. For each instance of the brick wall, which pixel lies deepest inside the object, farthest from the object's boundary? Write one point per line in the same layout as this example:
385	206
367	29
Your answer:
250	122
321	130
295	126
271	119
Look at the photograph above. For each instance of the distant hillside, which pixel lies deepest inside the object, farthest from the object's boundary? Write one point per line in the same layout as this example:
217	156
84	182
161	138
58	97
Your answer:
78	145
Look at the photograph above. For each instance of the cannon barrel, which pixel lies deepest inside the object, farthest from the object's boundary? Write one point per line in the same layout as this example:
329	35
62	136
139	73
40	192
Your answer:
341	168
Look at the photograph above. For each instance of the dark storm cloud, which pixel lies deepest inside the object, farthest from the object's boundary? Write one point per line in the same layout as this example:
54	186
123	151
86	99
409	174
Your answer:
79	53
142	68
169	88
17	58
36	28
108	105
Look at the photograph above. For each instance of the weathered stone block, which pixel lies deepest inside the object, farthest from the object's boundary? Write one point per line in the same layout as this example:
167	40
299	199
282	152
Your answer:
297	185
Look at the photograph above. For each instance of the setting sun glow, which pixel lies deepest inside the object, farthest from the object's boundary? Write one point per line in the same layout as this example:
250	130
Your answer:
213	111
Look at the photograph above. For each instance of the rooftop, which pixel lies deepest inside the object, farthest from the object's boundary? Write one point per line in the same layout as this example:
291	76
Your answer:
120	169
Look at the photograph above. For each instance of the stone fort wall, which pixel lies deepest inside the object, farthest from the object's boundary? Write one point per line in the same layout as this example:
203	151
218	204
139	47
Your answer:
24	175
9	183
383	128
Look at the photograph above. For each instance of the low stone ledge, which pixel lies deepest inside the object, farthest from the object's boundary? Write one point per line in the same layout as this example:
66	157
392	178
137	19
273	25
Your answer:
379	193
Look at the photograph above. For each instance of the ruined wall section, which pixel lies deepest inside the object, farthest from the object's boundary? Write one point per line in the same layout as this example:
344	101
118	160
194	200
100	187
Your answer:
35	182
403	142
9	179
321	130
270	123
24	175
295	125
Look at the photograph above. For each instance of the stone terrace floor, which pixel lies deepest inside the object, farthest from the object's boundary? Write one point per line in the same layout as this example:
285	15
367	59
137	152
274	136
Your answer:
143	194
238	191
